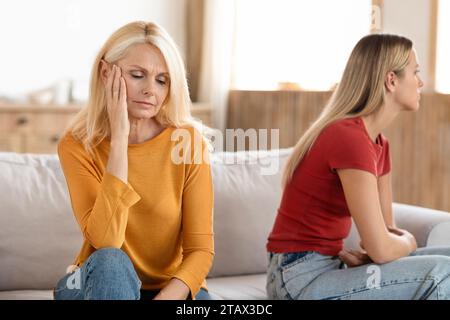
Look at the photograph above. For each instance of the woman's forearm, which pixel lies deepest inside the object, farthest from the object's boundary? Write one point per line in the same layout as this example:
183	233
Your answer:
118	159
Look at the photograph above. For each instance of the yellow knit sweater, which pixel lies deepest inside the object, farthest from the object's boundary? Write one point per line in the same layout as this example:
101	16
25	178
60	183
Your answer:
162	218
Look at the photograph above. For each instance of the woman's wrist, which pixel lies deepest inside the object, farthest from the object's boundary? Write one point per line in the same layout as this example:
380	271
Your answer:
174	290
118	159
119	141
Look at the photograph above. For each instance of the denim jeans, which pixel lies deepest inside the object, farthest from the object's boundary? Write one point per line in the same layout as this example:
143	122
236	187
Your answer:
308	275
108	274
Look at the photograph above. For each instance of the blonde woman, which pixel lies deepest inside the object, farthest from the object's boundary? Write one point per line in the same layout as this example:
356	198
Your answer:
340	169
145	217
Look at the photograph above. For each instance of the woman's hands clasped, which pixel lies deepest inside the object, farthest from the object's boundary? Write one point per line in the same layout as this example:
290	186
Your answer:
355	258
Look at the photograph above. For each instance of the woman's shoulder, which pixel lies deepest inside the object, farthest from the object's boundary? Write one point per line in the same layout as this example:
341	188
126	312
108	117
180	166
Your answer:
344	131
187	130
347	125
189	127
68	139
68	143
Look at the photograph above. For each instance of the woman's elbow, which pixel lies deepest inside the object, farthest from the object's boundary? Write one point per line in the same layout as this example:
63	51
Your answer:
386	254
380	259
101	243
379	255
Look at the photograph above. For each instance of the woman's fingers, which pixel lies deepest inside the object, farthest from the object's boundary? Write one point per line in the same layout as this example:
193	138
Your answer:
354	258
109	82
116	84
349	258
123	90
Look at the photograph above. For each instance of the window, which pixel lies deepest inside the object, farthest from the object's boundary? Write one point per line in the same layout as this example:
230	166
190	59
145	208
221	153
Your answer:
296	41
443	48
47	41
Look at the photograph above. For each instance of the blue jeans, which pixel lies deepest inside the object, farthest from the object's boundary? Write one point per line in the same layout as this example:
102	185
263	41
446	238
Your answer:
308	275
108	274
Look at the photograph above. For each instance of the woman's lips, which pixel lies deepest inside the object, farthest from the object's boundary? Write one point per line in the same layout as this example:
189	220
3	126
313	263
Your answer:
143	103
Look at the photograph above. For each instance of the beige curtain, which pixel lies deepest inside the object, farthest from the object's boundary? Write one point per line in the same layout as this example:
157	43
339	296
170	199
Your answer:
210	25
194	44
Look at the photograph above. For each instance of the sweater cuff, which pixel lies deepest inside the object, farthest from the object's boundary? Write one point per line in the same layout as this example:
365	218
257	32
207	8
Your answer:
119	189
190	280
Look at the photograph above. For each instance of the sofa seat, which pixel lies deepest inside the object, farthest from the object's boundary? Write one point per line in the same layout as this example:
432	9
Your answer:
26	295
250	287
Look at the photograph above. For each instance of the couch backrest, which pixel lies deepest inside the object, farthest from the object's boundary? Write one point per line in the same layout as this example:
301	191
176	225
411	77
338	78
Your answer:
39	236
247	191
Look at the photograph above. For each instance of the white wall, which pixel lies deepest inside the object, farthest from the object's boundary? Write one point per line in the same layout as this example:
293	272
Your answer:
411	18
48	40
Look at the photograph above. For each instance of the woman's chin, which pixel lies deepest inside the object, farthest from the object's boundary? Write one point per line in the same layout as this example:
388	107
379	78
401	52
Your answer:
411	107
141	114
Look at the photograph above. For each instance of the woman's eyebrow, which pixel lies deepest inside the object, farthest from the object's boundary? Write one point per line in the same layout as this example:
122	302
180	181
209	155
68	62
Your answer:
162	73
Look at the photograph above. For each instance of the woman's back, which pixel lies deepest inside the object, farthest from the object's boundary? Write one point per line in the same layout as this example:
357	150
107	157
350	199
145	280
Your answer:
313	214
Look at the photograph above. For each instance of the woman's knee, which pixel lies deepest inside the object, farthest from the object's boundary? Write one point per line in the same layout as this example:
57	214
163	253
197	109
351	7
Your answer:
111	270
111	263
109	257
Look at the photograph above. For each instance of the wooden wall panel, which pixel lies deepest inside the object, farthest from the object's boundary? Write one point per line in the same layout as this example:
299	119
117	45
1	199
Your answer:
419	142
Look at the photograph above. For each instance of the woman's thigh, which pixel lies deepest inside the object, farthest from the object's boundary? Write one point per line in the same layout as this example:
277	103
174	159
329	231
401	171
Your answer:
438	250
408	278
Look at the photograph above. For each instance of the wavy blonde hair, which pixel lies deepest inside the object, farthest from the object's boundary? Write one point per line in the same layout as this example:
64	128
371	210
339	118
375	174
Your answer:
361	90
91	125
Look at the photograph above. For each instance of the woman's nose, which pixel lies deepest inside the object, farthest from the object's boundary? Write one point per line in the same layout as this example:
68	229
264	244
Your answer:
420	83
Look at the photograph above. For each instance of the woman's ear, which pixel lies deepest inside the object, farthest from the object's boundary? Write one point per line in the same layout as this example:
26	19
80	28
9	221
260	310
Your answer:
390	81
104	70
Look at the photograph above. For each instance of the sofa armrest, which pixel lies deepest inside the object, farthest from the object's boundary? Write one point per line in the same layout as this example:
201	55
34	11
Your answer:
430	227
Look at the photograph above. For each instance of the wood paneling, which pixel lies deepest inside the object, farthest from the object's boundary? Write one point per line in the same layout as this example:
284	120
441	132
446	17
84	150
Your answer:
33	129
289	111
37	129
419	142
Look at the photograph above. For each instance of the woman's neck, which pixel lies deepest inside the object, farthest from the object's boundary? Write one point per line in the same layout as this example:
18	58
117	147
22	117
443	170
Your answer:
143	129
376	122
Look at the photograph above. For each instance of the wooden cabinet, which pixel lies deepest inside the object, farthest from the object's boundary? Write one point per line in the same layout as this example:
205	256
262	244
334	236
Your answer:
202	112
37	129
33	129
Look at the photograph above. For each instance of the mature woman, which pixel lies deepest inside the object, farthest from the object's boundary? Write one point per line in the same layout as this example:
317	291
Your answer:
340	169
146	217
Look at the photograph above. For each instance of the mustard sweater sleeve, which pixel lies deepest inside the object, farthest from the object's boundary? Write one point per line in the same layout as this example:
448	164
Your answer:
197	226
100	203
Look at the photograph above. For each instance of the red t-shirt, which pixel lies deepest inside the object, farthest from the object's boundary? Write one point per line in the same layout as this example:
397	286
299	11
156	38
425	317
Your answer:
313	214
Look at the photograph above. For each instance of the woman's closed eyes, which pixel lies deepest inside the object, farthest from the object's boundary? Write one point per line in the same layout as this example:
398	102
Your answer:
140	75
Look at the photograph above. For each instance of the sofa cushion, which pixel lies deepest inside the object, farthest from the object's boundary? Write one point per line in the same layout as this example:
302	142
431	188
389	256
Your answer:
39	237
249	287
247	192
27	295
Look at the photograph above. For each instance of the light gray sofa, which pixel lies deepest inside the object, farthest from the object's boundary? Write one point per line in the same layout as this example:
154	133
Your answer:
39	237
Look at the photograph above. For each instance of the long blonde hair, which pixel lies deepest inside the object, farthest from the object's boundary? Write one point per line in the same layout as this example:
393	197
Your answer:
91	125
361	90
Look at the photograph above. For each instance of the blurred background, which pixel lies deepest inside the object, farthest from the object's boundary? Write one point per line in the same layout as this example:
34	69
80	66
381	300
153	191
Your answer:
252	64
